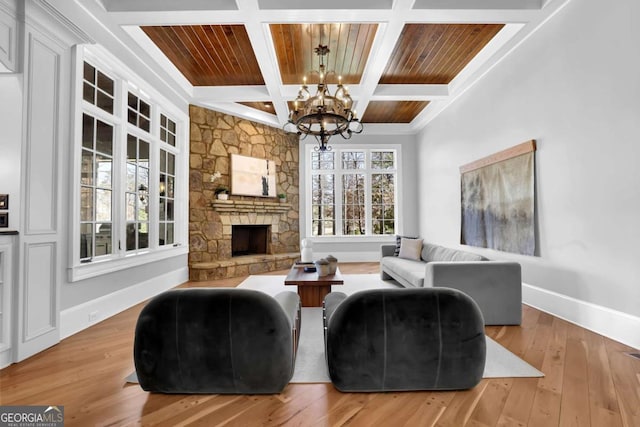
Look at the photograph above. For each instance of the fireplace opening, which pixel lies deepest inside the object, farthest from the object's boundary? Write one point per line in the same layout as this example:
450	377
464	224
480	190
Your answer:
249	239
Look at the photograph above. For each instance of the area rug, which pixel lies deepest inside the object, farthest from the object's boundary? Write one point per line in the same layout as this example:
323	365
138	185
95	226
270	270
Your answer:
311	366
310	360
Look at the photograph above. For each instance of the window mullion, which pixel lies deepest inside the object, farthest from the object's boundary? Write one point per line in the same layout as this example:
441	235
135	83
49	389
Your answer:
368	213
338	179
120	177
154	178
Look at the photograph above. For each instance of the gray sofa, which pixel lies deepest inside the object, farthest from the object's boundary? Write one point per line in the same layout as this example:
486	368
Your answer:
496	286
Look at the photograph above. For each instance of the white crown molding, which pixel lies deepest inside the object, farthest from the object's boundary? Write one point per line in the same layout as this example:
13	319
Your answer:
76	33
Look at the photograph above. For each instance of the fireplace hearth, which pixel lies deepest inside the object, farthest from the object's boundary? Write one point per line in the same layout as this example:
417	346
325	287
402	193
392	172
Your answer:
250	240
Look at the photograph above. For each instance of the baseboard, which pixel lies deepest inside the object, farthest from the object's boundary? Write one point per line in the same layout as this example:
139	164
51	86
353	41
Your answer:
75	319
611	323
6	358
373	256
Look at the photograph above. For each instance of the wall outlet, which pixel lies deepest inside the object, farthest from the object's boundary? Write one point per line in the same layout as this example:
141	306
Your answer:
93	316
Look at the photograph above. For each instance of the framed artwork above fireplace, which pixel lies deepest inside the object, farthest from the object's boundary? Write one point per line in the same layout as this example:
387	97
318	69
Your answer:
251	176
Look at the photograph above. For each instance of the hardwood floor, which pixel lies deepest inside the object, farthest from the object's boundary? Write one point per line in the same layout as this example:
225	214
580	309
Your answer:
589	381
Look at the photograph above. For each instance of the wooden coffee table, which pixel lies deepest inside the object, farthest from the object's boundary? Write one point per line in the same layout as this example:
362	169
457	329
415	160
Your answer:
311	288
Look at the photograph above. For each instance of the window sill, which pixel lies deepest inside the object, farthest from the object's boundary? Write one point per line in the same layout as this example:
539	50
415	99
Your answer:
110	265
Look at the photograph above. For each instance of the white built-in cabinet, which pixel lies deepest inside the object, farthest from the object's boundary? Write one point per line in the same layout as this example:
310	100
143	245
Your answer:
7	286
40	252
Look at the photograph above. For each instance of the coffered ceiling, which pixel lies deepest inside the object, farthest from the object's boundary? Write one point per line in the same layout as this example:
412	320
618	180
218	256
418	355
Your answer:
403	61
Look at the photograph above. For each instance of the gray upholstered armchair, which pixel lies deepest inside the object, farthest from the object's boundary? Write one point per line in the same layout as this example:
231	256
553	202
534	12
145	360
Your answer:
217	340
404	339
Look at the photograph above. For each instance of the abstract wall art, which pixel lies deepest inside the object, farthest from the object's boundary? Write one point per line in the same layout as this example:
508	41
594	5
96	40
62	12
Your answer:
498	201
251	176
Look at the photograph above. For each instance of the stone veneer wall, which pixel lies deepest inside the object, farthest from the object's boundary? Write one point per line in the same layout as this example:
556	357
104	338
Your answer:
214	137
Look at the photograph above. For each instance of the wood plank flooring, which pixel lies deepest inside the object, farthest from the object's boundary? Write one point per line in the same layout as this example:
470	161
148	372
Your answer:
589	381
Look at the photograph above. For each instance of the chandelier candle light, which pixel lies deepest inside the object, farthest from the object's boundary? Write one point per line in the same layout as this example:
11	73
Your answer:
323	115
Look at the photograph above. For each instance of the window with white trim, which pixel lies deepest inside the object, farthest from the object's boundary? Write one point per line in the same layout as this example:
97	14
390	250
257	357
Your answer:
352	191
129	155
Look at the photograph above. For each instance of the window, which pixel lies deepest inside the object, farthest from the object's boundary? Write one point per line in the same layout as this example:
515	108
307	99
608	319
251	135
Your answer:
137	193
129	155
95	188
383	178
98	89
167	197
167	130
352	192
139	112
323	194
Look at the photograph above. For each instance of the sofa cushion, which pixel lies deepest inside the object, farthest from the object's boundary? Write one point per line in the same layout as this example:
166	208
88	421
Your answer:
410	249
409	270
440	253
399	241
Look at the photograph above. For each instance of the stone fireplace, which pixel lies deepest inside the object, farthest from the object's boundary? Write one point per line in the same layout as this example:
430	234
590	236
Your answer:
246	220
214	137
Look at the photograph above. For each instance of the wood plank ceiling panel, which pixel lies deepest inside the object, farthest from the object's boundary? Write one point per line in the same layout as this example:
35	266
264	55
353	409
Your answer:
209	55
435	53
393	111
349	45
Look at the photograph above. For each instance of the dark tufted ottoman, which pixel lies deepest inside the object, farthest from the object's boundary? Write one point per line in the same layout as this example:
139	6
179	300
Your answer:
404	339
224	340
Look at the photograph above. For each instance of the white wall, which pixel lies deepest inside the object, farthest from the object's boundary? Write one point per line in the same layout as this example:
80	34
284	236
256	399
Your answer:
408	221
10	137
574	87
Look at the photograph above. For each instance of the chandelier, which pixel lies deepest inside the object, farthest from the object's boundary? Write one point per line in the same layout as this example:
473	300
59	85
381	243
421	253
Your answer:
323	115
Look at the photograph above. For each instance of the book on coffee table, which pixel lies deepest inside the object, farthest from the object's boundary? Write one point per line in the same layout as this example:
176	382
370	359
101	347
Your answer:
300	264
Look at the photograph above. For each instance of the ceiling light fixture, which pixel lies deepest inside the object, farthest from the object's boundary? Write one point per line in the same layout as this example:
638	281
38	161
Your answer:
323	115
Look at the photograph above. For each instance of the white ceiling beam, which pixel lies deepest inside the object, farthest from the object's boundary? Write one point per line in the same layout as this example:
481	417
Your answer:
212	17
388	129
231	94
242	111
478	4
410	92
326	4
383	44
145	5
262	43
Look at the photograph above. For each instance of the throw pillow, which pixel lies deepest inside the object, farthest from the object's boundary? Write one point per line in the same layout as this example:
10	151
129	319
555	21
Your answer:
398	240
410	249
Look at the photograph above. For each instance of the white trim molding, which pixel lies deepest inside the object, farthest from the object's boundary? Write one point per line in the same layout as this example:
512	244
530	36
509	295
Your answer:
82	316
611	323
